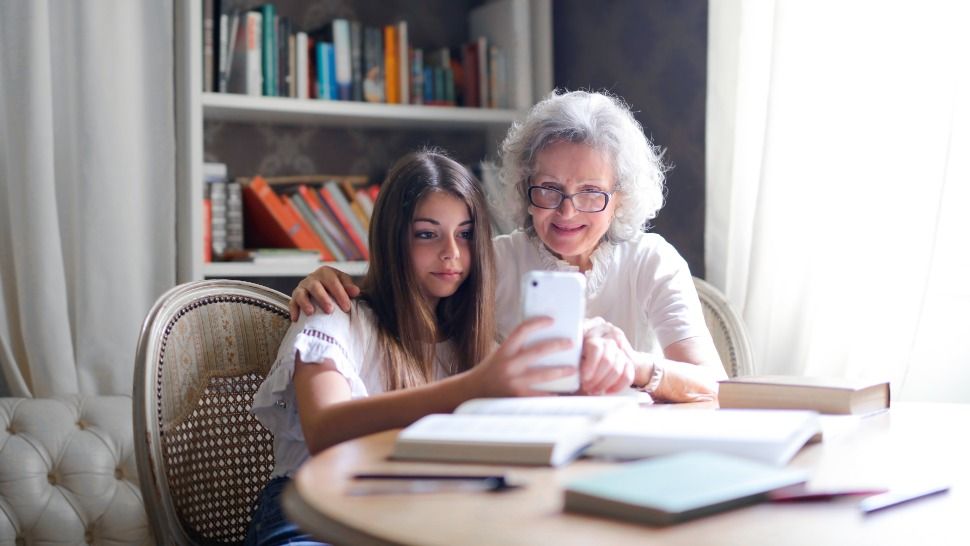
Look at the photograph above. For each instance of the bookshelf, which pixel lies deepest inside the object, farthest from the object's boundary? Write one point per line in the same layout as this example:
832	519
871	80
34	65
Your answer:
527	39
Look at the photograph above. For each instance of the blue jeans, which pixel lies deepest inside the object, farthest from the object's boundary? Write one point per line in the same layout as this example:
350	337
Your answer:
269	526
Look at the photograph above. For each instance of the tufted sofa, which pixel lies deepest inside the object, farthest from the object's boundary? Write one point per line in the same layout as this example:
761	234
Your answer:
68	474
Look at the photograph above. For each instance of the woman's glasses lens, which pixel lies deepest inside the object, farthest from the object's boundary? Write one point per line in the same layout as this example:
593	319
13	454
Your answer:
551	198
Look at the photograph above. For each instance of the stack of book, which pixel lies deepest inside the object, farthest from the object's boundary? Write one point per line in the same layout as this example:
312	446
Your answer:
260	52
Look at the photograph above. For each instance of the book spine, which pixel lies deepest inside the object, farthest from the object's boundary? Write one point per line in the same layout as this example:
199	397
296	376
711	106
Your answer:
302	66
269	56
392	86
327	232
356	61
373	65
403	58
340	197
343	75
272	223
304	215
209	43
254	53
417	76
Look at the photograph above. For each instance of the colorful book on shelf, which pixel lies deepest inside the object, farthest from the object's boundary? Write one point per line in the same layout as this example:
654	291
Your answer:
356	61
823	394
768	436
327	229
392	79
334	198
247	63
403	63
337	33
531	431
270	223
303	214
268	41
326	82
373	64
675	488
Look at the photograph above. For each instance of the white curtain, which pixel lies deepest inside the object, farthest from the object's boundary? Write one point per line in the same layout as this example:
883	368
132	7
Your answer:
87	196
838	185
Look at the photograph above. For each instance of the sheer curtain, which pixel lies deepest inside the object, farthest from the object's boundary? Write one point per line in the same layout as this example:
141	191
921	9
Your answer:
838	184
87	195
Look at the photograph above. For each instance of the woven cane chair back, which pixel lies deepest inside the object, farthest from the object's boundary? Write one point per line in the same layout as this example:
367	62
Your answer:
204	349
727	329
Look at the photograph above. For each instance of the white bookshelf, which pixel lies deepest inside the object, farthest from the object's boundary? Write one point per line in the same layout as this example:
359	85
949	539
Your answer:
527	38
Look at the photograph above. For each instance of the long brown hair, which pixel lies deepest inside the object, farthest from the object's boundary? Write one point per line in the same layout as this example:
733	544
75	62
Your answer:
407	327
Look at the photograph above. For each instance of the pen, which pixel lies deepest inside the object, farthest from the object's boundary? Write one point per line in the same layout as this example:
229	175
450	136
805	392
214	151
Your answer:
893	498
808	495
379	483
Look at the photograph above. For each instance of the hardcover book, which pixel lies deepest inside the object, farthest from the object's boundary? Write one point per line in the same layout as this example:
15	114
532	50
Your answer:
825	395
674	488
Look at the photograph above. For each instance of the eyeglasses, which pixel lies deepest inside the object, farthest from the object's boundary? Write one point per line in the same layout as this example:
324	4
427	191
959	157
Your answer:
583	201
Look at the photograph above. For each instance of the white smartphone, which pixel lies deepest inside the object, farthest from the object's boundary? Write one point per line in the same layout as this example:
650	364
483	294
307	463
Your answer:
562	296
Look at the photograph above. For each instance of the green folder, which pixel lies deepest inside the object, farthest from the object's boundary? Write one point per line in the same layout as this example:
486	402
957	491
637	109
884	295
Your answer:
674	488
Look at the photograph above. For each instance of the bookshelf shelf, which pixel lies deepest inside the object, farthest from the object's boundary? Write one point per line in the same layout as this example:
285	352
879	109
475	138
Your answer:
245	108
523	27
244	269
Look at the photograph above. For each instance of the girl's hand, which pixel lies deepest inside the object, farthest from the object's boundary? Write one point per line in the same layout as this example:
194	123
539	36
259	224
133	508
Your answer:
508	372
324	286
607	364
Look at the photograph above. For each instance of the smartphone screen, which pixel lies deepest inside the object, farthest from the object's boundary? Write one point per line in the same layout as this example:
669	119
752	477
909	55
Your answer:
562	296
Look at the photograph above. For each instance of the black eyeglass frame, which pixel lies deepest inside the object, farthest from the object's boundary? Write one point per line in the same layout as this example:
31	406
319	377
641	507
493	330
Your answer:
563	196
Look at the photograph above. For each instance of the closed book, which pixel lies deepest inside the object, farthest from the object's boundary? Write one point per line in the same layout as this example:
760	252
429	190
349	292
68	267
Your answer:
373	64
247	66
356	61
335	199
547	431
270	56
403	63
392	74
768	436
305	216
823	394
336	230
270	223
325	230
674	488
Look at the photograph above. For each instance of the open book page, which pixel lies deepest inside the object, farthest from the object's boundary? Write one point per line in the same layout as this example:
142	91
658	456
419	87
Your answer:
771	436
593	407
513	439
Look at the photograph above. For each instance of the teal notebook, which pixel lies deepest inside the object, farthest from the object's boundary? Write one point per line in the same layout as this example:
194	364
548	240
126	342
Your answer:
674	488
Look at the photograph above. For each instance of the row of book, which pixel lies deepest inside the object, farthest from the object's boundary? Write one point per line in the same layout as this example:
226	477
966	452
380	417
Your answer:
327	217
259	52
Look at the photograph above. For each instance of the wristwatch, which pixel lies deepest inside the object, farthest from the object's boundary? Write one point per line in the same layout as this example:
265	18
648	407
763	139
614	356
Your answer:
656	376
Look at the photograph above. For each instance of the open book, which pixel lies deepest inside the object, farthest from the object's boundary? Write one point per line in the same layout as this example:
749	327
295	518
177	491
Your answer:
770	436
547	430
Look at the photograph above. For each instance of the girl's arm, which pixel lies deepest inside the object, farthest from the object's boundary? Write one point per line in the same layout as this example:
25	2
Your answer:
328	416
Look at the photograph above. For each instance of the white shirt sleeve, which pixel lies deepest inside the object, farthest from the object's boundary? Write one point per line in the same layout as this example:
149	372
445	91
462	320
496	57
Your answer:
671	305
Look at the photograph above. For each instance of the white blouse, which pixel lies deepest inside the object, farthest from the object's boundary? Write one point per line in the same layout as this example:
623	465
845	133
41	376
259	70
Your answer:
349	343
643	286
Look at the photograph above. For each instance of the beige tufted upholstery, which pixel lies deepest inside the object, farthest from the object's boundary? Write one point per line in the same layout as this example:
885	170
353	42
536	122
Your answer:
727	329
67	472
204	349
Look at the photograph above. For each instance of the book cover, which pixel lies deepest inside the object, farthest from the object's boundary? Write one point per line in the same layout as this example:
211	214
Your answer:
308	222
830	395
335	199
529	430
269	222
326	229
768	436
674	488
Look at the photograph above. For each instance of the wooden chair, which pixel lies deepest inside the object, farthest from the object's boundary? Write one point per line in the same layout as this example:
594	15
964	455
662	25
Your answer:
202	459
727	329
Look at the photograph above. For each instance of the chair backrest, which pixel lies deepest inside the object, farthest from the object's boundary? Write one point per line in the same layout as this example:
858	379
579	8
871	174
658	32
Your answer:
727	329
202	458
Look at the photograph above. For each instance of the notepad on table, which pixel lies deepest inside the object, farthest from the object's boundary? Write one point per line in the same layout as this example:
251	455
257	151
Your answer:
674	488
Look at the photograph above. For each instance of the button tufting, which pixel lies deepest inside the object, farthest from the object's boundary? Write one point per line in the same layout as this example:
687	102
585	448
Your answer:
89	536
280	403
80	425
119	474
51	478
11	430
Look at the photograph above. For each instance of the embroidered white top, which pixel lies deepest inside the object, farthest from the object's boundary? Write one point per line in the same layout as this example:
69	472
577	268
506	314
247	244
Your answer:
349	342
643	286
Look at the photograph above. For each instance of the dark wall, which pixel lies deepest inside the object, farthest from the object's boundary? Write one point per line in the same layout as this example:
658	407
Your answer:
652	53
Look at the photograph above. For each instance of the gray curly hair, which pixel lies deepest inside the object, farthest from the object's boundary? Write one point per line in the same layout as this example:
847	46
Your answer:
599	120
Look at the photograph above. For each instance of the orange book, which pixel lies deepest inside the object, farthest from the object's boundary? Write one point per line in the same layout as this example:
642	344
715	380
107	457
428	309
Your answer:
325	254
270	222
341	215
392	68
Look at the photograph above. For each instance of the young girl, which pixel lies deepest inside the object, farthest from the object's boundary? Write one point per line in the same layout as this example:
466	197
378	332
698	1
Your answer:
409	345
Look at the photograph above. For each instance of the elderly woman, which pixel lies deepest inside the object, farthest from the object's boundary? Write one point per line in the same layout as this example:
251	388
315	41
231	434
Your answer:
584	181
